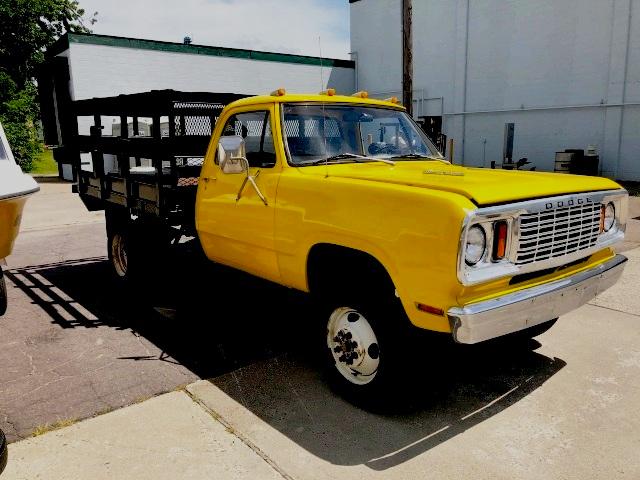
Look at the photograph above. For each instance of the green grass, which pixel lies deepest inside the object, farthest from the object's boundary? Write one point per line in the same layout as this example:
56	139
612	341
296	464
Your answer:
45	164
50	427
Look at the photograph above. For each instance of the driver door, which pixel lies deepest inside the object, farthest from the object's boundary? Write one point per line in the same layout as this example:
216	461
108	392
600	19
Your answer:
235	225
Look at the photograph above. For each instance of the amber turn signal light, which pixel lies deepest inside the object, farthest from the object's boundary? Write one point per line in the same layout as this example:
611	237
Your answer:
499	239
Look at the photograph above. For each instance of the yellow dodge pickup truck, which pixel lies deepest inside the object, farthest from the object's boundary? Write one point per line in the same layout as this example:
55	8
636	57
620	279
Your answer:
345	197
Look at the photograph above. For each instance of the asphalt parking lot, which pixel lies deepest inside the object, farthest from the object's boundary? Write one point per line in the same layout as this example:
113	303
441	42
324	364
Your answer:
73	346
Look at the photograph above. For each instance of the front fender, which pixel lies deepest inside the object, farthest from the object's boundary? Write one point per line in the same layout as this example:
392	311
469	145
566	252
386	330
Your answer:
412	231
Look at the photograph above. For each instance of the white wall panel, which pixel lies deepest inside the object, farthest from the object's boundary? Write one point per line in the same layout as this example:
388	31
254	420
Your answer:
516	55
629	166
100	71
632	62
376	38
538	135
541	53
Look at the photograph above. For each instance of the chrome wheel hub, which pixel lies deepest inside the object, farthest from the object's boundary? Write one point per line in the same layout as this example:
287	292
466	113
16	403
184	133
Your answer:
353	345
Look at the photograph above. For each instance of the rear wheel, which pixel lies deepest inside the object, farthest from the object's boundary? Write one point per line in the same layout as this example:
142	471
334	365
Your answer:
3	294
120	240
137	247
119	254
125	246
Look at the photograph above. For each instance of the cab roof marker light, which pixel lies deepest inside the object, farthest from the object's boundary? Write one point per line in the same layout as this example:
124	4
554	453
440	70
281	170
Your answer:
280	92
361	94
329	92
392	100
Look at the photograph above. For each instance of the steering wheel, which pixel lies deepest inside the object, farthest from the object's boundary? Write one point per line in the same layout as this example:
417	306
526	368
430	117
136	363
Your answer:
382	148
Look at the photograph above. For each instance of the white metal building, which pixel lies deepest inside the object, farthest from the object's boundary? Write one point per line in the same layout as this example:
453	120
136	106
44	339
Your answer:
82	66
566	72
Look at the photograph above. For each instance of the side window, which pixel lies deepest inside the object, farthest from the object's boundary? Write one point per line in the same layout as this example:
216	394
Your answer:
255	129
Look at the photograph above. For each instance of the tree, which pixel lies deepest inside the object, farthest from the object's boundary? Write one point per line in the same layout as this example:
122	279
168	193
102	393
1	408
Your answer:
27	28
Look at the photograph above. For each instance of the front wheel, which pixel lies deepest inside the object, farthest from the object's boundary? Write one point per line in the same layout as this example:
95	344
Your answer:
3	294
368	353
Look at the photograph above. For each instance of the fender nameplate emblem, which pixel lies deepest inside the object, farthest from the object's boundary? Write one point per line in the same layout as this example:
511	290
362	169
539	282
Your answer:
443	172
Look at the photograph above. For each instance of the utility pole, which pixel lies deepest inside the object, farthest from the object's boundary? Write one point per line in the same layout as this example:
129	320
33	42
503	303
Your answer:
407	56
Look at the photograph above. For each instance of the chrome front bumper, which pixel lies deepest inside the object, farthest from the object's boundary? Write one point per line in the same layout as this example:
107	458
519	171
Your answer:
481	321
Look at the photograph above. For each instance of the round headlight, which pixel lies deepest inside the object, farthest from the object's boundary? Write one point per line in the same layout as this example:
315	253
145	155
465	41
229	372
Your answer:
609	217
475	246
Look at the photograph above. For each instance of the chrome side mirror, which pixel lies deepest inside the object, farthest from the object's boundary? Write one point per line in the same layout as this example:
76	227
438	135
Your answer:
232	155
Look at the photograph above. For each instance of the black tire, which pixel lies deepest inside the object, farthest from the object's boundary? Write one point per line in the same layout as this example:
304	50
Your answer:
393	348
118	248
118	222
4	452
357	283
136	249
388	375
3	294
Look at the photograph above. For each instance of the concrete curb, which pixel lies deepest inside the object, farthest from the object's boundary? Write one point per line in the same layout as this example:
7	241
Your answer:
165	437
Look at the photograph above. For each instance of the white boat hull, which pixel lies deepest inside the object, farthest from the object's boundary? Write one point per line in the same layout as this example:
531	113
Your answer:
15	188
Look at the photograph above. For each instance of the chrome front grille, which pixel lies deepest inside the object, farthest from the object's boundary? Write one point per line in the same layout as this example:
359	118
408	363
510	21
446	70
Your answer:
557	232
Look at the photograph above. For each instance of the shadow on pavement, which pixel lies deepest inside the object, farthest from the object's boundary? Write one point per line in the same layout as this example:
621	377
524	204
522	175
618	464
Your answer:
471	385
215	320
209	319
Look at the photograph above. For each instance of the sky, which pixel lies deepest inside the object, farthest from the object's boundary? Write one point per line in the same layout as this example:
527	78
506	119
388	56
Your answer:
288	26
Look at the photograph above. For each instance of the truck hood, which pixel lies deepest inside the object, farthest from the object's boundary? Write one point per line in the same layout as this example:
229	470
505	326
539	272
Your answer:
480	185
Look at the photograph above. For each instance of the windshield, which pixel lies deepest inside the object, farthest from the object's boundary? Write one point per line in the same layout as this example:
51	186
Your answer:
347	133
